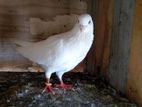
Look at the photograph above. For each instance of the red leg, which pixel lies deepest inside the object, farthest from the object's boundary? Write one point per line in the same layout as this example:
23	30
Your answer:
48	87
66	86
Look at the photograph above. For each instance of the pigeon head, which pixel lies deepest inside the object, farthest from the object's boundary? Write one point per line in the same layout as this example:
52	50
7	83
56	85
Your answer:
85	23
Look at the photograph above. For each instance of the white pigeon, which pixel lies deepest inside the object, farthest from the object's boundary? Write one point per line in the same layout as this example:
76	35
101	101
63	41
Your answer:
62	52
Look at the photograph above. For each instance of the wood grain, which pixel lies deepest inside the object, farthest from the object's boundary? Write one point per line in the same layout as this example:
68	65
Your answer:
121	43
134	85
98	57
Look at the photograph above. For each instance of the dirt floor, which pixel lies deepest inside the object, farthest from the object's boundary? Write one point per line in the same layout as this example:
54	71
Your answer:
24	90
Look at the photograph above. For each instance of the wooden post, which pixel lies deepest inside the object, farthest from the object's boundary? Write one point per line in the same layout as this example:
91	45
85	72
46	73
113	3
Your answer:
90	61
98	57
120	43
134	84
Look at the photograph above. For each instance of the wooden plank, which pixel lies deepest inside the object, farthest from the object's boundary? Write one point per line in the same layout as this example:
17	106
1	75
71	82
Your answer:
98	58
134	86
90	61
120	44
107	26
43	3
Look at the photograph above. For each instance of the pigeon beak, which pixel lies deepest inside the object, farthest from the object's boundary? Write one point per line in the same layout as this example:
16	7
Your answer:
82	28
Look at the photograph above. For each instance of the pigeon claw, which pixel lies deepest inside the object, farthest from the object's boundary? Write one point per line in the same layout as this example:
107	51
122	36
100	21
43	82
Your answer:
66	86
48	88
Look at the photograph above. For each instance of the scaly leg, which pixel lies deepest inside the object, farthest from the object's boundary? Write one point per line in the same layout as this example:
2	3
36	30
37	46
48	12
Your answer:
48	86
65	86
62	84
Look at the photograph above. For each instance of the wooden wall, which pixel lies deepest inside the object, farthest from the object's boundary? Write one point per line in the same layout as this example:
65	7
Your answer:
121	43
14	23
118	45
134	86
104	15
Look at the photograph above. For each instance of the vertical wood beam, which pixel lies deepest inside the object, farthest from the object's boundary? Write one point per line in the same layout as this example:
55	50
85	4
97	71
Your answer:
134	85
98	58
120	43
90	60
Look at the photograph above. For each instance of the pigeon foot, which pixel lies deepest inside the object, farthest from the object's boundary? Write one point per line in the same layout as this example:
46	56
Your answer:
66	86
48	88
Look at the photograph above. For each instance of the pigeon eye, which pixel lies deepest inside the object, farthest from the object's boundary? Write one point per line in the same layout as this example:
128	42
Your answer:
89	22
